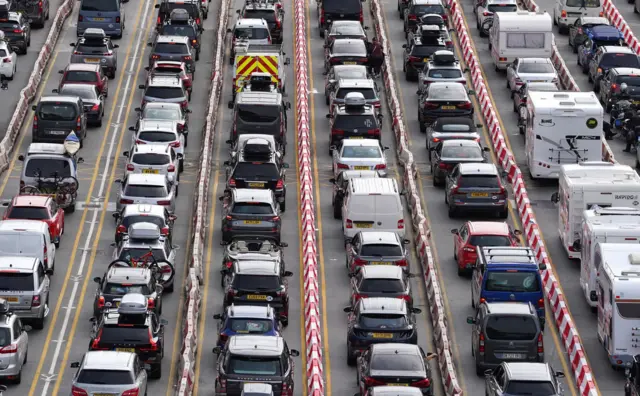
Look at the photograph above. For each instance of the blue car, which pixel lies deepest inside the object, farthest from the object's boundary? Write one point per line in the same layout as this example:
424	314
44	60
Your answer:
247	319
597	36
579	31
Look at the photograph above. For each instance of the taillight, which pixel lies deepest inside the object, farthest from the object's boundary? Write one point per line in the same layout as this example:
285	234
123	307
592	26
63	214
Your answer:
425	383
541	303
222	338
359	262
117	19
35	301
228	264
151	303
158	21
130	167
429	105
153	346
601	14
79	124
13	348
481	343
381	166
413	18
131	392
164	231
356	297
373	132
75	391
184	104
402	263
171	168
278	25
80	19
164	203
322	16
405	297
414	59
231	292
232	182
6	60
563	14
95	344
349	223
465	106
540	344
401	224
368	381
40	6
180	127
337	132
361	16
154	56
197	21
126	201
95	107
614	87
100	302
342	166
223	384
443	165
138	141
487	13
286	390
186	58
35	122
194	41
175	144
454	190
17	30
279	185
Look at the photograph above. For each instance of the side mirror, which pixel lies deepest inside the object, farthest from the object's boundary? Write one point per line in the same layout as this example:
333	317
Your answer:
416	310
5	204
80	160
172	217
555	197
157	6
479	125
577	245
431	355
559	374
288	274
217	350
517	232
115	215
93	319
466	70
125	153
454	231
60	71
75	365
238	12
285	165
347	309
351	274
164	322
72	44
132	129
217	316
116	46
230	104
188	111
284	244
358	353
112	244
138	109
471	320
146	68
97	279
21	157
419	92
294	352
406	241
332	181
385	148
141	86
33	107
55	90
325	46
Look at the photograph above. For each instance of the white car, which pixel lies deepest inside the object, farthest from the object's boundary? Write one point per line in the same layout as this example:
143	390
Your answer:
152	159
486	8
530	70
160	132
359	154
8	59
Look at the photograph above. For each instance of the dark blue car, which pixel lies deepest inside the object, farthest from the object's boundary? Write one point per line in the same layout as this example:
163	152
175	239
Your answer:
597	36
247	319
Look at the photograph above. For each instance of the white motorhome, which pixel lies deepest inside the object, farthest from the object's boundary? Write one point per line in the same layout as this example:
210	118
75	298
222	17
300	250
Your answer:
586	185
618	293
521	34
603	225
562	128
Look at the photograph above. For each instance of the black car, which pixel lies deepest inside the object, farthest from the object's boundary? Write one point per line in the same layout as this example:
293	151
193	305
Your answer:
353	120
449	153
381	281
417	8
441	99
250	212
345	52
17	31
92	99
118	282
167	6
611	82
340	184
56	116
418	53
445	128
338	10
132	327
173	48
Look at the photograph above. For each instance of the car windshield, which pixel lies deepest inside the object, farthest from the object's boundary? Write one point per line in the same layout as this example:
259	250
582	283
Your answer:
164	92
5	336
381	250
9	26
351	121
396	362
145	191
28	212
157	136
85	92
349	47
171	48
16	281
503	7
447	92
445	73
92	48
489	240
105	377
453	128
120	289
57	111
619	60
423	9
124	335
512	281
245	365
47	167
361	152
532	388
161	114
179	30
135	254
133	219
425	51
583	3
151	159
249	325
368	93
267	15
81	76
252	33
478	181
256	171
461	151
258	113
99	5
511	327
376	285
252	208
256	282
377	321
347	30
535	68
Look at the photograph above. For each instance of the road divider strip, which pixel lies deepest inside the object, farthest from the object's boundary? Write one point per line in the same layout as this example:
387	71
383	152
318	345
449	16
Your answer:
419	222
199	229
568	331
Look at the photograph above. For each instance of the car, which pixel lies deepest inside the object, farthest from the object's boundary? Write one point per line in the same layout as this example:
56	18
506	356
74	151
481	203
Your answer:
153	159
193	7
110	371
56	116
378	320
163	111
92	100
486	8
118	282
338	10
345	52
359	154
165	89
134	327
267	143
17	30
343	29
609	57
430	25
251	248
181	24
520	95
146	189
381	281
271	361
514	378
35	12
449	153
598	36
376	248
248	31
476	187
9	58
85	73
579	30
132	214
342	72
37	207
442	67
417	8
173	48
393	363
353	120
271	12
162	133
27	281
247	319
173	68
367	87
95	47
250	212
480	233
534	70
441	99
445	128
611	82
340	184
14	344
107	15
505	326
418	53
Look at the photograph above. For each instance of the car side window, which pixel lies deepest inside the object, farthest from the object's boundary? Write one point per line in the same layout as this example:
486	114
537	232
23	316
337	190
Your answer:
41	274
17	329
464	231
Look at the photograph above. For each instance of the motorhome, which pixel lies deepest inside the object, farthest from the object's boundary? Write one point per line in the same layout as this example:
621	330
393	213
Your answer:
618	293
521	34
562	128
603	225
586	185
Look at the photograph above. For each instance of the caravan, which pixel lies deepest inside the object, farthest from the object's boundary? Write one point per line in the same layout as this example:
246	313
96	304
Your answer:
583	186
562	128
618	293
603	225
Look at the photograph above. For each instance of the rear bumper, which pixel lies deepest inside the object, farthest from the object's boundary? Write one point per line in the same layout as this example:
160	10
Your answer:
33	313
110	29
13	367
229	232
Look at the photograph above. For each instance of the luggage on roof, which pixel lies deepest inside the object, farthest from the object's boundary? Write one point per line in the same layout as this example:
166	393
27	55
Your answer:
179	15
429	31
444	58
354	99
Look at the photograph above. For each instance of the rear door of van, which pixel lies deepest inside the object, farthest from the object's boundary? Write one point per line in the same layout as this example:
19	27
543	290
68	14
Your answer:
389	215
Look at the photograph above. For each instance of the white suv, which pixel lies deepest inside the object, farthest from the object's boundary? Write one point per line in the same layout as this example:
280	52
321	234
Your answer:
153	159
8	59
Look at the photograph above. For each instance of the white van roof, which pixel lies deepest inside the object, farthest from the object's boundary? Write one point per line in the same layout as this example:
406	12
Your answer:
548	103
46	148
516	21
621	259
18	263
589	172
23	225
373	186
600	215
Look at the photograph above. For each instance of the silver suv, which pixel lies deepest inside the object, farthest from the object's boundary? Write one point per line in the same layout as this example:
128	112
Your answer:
110	372
147	189
14	344
24	284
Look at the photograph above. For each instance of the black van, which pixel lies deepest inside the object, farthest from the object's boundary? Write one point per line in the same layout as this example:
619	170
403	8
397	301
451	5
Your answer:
260	112
56	116
338	10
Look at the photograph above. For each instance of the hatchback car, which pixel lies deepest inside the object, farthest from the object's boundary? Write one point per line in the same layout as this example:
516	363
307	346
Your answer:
109	372
247	319
442	67
172	48
193	7
579	30
170	69
17	31
162	111
106	15
449	153
92	100
85	73
146	189
56	116
445	128
381	281
353	120
442	99
9	64
118	282
271	12
340	184
94	47
535	70
165	89
14	344
376	248
379	320
418	53
132	214
250	212
367	88
359	154
516	378
520	95
345	52
609	57
153	159
25	284
345	30
37	207
486	8
35	12
476	187
338	10
163	133
342	72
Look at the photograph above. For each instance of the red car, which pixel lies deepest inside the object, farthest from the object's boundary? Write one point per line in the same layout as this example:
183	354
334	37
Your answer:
480	233
85	73
38	207
173	68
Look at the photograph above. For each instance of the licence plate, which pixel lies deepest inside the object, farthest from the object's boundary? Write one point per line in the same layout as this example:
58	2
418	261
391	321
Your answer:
125	349
636	102
57	132
382	335
256	185
378	263
259	297
348	63
512	356
364	225
252	222
356	137
98	19
153	171
536	81
478	195
398	384
361	167
104	394
11	299
92	60
448	107
425	60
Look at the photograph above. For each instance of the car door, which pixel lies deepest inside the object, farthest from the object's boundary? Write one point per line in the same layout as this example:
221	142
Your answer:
21	338
460	239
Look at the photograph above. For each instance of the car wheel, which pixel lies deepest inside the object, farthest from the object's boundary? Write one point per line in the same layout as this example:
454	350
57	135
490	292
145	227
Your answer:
181	166
451	211
26	354
461	271
337	212
479	370
38	324
156	371
71	208
283	206
423	127
351	357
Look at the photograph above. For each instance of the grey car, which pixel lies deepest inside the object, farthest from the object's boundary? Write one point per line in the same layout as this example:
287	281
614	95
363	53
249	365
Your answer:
24	284
173	48
528	378
109	373
92	99
147	189
95	47
342	72
476	187
165	89
14	343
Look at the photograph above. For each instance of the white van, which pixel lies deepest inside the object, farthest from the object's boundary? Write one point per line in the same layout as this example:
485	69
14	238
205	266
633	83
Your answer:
521	34
566	12
28	238
372	204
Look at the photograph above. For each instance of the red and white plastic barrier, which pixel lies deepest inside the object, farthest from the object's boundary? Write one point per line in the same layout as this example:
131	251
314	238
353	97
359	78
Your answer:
188	352
582	372
312	326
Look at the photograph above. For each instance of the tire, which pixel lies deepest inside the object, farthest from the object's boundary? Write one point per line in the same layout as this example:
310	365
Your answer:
38	324
181	166
283	206
423	127
337	212
451	212
70	209
351	358
156	371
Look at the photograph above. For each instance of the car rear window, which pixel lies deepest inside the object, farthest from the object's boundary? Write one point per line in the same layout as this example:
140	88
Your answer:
119	289
167	69
350	73
83	91
164	92
347	30
396	362
57	111
447	92
249	325
380	250
251	33
105	377
245	365
171	48
256	282
489	240
445	73
378	321
513	282
134	190
423	9
81	76
258	113
461	152
267	15
535	68
180	5
179	30
150	159
250	208
161	114
382	286
92	48
157	136
255	171
9	26
479	181
633	81
47	167
511	327
124	335
16	281
425	51
583	3
368	93
349	47
619	60
29	212
362	152
454	128
503	7
342	6
129	220
537	388
99	5
351	121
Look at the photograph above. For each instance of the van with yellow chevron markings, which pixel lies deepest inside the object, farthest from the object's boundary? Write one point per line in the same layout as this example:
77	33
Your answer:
259	58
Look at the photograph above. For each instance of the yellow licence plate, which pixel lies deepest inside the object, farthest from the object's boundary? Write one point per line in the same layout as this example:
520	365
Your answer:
378	263
448	107
364	225
256	185
252	222
257	297
125	349
153	171
361	167
479	195
356	137
425	60
398	384
382	335
349	63
11	299
92	60
98	19
636	102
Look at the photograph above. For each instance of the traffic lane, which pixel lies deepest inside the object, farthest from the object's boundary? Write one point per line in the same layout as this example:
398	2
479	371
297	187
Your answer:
539	192
626	11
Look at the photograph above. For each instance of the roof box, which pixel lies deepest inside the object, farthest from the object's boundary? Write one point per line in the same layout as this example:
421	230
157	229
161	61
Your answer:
443	57
432	19
179	15
133	304
354	99
257	147
144	230
93	34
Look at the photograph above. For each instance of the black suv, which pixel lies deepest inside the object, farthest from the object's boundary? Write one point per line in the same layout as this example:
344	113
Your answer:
417	54
132	327
191	6
56	116
354	119
181	24
338	10
254	358
17	30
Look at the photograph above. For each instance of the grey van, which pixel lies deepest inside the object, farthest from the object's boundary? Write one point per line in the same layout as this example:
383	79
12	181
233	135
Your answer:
56	116
107	15
260	112
47	160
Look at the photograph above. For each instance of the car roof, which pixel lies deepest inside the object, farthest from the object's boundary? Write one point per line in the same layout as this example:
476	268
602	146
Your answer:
251	22
375	237
161	105
59	98
604	30
172	39
529	371
257	267
31	200
128	275
256	345
509	308
158	125
383	305
534	60
395	391
392	348
627	71
587	20
478	168
346	23
22	225
250	311
252	194
488	227
144	209
259	98
617	49
382	272
360	143
165	63
147	179
80	85
356	83
108	360
151	149
83	67
17	263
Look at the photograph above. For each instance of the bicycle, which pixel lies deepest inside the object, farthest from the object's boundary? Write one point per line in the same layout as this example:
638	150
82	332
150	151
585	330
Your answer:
63	189
162	271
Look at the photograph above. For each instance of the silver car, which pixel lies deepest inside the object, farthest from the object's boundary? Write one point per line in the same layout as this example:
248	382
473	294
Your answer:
147	189
152	159
342	72
166	89
359	154
95	47
345	29
526	70
159	111
109	373
164	133
14	344
24	284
